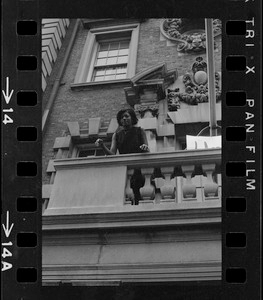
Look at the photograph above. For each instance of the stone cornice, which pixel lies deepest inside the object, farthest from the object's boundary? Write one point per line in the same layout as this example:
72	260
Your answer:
144	272
159	215
94	23
156	78
120	236
161	67
100	84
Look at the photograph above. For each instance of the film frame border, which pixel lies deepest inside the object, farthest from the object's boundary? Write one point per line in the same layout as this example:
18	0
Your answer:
28	222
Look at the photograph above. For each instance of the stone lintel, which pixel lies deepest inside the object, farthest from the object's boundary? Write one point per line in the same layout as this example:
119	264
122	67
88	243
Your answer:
97	23
94	126
74	129
50	167
62	142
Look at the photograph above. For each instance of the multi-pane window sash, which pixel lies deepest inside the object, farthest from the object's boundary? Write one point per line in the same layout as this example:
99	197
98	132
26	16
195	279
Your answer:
111	61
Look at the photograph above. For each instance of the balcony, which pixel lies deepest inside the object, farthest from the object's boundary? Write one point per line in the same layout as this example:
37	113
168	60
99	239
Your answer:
185	181
172	235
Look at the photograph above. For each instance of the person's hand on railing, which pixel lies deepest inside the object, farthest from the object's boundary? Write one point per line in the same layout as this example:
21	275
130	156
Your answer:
99	143
144	148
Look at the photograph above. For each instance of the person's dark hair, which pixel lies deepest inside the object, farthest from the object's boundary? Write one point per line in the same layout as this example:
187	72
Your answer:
131	112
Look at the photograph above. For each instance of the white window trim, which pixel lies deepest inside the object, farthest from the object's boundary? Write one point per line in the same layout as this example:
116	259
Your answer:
87	146
86	64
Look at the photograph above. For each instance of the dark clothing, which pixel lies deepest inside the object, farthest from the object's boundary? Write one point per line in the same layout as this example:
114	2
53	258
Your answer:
129	141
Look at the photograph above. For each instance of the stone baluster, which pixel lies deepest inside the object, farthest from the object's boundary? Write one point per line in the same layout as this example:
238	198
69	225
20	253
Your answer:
167	190
148	190
210	187
128	191
189	189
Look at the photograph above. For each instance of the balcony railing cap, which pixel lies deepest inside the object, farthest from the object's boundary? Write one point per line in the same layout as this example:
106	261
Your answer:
159	159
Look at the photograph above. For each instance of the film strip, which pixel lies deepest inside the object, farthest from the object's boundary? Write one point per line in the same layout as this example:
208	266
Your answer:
22	143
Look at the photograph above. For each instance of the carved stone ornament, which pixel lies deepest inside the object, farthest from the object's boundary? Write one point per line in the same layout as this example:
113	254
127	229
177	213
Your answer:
148	86
142	109
189	41
196	88
173	100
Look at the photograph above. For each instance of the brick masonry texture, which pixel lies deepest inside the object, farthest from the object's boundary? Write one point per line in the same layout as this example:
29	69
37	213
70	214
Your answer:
80	105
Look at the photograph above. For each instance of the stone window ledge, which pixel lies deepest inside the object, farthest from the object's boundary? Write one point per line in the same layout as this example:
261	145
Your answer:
101	84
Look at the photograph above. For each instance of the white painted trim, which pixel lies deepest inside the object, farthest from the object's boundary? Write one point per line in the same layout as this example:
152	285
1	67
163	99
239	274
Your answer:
133	52
90	69
85	68
85	58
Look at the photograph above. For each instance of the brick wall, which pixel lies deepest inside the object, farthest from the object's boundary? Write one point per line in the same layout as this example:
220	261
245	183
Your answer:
75	105
152	50
53	33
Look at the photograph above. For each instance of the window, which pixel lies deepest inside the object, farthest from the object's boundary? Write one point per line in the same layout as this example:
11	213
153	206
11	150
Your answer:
111	61
88	150
109	55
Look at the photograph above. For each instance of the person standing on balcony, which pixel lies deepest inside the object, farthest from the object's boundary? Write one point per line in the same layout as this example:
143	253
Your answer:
127	139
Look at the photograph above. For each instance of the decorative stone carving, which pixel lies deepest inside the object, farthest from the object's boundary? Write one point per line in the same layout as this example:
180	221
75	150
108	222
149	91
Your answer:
148	87
196	88
142	109
189	41
173	99
199	65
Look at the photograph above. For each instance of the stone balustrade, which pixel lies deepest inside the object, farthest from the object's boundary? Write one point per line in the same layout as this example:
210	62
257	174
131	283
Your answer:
84	185
174	234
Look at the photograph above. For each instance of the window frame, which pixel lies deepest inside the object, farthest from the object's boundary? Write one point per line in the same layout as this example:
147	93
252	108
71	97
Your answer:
95	35
106	65
87	147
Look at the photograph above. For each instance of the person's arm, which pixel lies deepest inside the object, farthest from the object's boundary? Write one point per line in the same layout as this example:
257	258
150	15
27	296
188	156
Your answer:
144	147
113	148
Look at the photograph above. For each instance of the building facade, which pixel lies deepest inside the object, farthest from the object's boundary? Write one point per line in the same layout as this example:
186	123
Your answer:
92	235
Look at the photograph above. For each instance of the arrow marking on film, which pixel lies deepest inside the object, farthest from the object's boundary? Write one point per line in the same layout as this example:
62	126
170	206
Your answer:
6	228
6	93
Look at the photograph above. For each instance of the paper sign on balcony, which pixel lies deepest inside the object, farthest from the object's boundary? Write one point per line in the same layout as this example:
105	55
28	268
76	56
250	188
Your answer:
203	142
